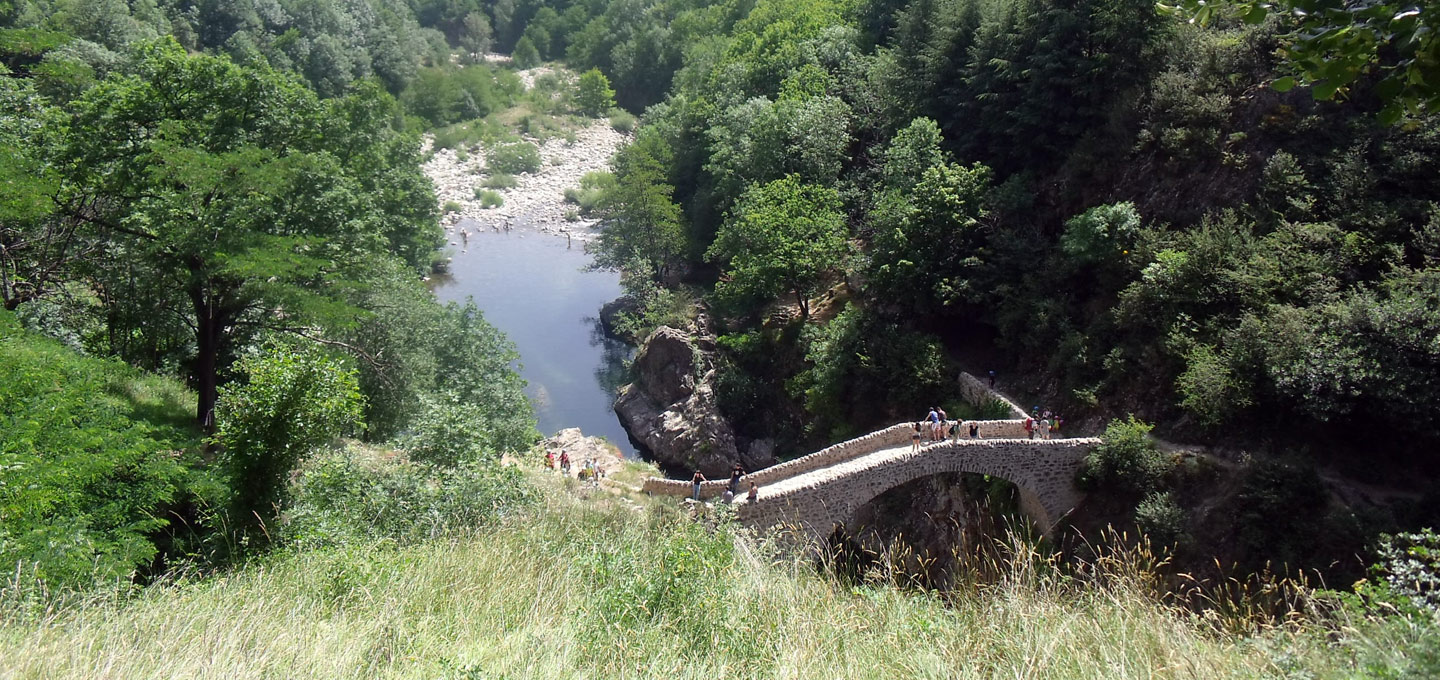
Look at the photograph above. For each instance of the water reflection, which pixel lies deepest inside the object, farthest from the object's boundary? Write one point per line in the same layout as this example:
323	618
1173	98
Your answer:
536	290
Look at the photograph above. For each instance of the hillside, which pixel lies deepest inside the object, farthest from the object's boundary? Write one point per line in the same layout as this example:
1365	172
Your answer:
587	585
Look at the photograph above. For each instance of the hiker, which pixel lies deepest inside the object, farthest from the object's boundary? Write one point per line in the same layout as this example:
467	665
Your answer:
915	439
727	497
974	430
564	463
549	460
992	379
932	420
955	431
1030	427
735	474
754	493
1044	428
1055	427
940	424
695	482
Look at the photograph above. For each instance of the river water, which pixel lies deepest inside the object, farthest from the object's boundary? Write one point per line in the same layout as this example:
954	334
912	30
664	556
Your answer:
534	288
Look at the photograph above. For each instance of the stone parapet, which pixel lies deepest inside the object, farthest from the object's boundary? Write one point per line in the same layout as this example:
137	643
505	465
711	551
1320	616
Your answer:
890	437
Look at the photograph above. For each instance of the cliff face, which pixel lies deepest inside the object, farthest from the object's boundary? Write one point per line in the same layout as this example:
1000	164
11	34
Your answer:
671	408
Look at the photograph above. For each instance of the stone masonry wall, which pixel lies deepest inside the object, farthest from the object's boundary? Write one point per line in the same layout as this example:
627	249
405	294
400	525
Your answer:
813	505
890	437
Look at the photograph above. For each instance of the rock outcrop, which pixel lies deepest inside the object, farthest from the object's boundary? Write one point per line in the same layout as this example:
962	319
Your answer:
671	408
580	447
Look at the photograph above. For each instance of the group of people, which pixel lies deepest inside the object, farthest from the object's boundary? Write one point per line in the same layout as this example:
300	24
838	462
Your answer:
939	427
1043	425
732	488
589	470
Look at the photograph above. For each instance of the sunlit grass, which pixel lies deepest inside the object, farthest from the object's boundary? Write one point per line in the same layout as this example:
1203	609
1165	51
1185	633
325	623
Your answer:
590	588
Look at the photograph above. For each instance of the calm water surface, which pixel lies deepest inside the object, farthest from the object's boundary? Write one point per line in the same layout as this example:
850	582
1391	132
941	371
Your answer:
532	287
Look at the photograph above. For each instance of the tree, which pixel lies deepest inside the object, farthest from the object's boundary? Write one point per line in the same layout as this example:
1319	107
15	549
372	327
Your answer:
640	222
237	197
594	96
784	236
35	244
525	54
1335	43
477	36
927	237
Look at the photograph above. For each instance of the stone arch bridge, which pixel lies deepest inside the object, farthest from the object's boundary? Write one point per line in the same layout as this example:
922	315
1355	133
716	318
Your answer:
813	494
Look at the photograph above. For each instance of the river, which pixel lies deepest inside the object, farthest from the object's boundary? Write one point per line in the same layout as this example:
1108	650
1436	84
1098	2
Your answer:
534	288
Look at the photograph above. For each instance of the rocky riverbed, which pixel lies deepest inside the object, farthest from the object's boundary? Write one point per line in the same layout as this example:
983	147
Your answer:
537	202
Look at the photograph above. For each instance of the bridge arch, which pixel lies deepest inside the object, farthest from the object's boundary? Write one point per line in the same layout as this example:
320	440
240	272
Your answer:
812	505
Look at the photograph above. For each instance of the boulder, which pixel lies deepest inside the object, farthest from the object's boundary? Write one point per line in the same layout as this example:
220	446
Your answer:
580	447
672	411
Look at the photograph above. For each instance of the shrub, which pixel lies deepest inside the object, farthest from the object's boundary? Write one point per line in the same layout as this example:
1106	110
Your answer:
448	432
593	95
489	199
622	121
1410	567
343	498
500	181
593	186
1161	518
291	400
1127	461
450	207
513	158
93	456
572	215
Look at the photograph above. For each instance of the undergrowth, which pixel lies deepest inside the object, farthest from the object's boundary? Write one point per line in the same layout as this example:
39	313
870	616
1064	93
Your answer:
585	583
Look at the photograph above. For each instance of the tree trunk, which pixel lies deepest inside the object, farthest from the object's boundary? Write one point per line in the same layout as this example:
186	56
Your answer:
210	322
804	304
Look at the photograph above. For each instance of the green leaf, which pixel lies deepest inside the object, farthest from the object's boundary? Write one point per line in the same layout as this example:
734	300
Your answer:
1284	84
1255	15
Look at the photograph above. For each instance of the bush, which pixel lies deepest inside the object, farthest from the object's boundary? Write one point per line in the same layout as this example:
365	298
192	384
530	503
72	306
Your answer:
489	199
513	158
1410	568
94	456
290	401
1127	461
622	121
342	498
593	95
450	207
500	181
448	432
593	186
1161	518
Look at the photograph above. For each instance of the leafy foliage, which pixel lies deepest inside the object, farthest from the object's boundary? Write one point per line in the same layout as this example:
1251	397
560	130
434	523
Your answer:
512	158
93	457
594	96
293	401
783	237
343	498
1127	461
640	224
1334	45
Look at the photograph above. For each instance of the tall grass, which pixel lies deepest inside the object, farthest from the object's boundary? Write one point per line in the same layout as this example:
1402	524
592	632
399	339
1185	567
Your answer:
604	587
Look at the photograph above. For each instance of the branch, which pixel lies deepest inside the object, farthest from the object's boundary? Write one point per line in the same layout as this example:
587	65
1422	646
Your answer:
374	361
